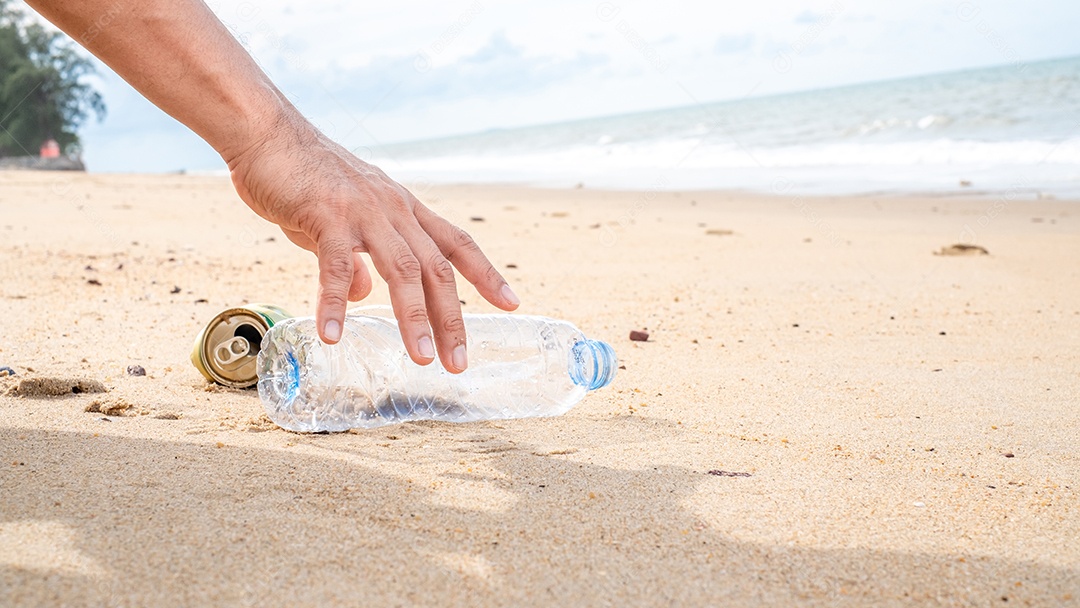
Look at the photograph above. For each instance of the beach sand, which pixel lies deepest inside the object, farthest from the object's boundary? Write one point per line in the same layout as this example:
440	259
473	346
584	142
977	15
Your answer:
908	423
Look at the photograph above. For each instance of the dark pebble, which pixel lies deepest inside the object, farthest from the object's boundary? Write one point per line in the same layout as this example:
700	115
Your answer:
639	336
476	218
511	265
93	282
6	371
941	333
175	289
720	473
1009	455
136	370
201	301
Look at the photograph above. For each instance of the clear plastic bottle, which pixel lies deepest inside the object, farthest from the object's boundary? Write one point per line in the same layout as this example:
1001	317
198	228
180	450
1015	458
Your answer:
519	366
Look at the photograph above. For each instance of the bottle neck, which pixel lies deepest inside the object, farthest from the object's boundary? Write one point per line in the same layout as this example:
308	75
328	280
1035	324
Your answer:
592	364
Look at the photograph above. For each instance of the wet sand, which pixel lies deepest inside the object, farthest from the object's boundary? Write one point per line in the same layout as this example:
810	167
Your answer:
825	412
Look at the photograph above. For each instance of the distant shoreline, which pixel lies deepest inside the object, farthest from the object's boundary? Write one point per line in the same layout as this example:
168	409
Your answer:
35	163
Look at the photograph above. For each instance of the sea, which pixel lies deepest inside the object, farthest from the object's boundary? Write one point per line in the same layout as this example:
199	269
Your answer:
1013	128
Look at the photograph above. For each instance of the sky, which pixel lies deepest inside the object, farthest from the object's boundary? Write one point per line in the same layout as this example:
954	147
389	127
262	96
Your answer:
375	73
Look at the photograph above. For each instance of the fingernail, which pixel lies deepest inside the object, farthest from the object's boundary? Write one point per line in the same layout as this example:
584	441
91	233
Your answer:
461	361
426	347
509	296
332	330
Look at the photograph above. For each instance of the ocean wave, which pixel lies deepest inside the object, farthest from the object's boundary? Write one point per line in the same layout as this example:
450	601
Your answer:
827	168
691	153
996	124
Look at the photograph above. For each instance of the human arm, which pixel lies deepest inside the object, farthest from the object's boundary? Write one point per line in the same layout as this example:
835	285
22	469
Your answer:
179	55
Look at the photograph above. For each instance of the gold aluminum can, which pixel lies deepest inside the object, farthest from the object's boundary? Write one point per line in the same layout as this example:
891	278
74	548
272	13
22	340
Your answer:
227	349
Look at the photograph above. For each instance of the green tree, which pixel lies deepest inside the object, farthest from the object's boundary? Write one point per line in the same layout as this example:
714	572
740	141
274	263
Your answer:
42	93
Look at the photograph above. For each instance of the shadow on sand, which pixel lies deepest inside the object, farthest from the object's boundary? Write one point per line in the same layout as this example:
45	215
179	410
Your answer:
144	522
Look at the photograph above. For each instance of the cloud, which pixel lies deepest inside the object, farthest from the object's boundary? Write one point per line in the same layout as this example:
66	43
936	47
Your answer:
499	68
729	44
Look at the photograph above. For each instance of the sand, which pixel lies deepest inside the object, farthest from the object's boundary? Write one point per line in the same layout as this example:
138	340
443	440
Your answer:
825	412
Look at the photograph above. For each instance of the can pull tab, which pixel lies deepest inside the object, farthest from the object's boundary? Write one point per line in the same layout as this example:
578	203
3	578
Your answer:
232	350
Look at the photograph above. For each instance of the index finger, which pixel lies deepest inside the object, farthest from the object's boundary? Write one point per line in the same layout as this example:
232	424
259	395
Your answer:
463	252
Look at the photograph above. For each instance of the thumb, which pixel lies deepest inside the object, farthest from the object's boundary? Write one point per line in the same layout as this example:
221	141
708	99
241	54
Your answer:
361	281
335	278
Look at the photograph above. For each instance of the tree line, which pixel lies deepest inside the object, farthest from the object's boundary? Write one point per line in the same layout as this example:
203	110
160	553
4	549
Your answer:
43	95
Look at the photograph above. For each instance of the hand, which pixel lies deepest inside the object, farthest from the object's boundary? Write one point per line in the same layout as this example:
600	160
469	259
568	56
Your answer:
335	205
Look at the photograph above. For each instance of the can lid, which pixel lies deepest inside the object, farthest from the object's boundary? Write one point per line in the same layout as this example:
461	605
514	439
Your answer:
230	346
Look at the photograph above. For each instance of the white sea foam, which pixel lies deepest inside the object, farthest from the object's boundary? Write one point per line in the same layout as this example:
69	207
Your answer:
994	128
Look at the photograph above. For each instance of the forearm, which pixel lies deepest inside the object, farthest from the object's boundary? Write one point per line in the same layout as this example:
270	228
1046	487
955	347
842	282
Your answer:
180	56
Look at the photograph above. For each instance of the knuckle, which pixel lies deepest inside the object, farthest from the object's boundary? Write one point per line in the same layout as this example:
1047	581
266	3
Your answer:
462	238
442	269
493	276
407	267
334	292
415	314
397	199
453	325
403	264
461	241
335	299
336	266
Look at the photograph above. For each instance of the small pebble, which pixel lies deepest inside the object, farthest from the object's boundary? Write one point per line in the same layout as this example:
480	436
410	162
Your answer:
476	218
1009	455
175	289
93	282
639	336
6	371
720	473
511	265
201	301
919	504
136	370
